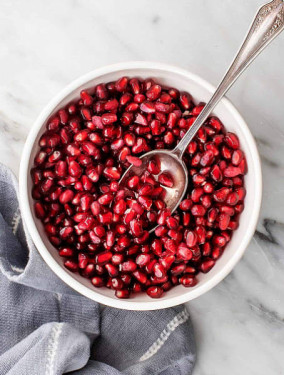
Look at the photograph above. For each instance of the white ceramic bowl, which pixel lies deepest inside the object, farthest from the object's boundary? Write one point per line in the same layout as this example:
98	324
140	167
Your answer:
201	91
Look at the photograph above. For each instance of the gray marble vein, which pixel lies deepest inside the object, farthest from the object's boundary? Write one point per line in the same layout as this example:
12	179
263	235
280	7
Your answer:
239	324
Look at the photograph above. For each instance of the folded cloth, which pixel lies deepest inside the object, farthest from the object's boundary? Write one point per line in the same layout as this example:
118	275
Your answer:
46	328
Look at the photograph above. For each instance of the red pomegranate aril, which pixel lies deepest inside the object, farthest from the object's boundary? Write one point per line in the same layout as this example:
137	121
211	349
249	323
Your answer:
232	140
207	158
154	92
153	167
186	205
184	252
133	182
241	192
154	291
39	210
92	174
122	293
219	241
243	166
112	270
145	202
233	225
74	169
101	92
166	179
232	171
237	157
232	199
172	223
136	228
188	280
71	265
66	252
117	259
147	107
103	258
134	160
198	210
143	259
216	173
207	265
106	218
140	276
159	271
66	196
116	283
224	220
206	251
108	118
178	269
98	281
82	260
186	218
221	194
105	199
191	239
185	100
128	266
119	207
196	194
121	84
112	173
146	189
206	201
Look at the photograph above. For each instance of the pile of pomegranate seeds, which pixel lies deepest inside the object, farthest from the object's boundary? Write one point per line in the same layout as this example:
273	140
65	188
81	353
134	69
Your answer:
101	229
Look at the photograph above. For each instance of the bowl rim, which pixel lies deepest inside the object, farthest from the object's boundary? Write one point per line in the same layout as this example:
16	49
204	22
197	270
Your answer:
57	268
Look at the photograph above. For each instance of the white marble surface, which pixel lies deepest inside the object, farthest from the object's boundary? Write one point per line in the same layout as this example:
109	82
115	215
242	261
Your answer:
239	325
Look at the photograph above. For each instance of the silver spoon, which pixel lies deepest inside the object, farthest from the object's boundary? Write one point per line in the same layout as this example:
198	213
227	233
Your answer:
268	23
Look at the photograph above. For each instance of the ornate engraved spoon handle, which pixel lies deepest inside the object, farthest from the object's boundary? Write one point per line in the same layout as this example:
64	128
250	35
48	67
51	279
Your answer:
268	23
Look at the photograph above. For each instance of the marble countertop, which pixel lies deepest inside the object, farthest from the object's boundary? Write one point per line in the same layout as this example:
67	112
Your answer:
239	325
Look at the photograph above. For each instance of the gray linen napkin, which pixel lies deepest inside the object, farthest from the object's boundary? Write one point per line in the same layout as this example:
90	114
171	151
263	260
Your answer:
47	329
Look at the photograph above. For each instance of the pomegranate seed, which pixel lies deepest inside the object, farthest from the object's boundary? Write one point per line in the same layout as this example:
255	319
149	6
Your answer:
112	173
232	199
98	281
191	239
207	265
121	84
166	179
232	171
66	196
122	293
232	140
178	269
154	291
147	107
221	194
198	210
66	252
128	266
39	210
188	280
224	221
216	173
184	252
71	265
134	160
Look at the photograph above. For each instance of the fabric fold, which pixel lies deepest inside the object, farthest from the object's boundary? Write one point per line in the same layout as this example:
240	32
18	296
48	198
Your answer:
47	328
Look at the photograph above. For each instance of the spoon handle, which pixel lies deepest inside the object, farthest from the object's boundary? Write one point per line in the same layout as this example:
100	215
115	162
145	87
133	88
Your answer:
268	23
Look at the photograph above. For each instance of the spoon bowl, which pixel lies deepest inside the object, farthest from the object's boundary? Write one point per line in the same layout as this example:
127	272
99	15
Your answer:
169	162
